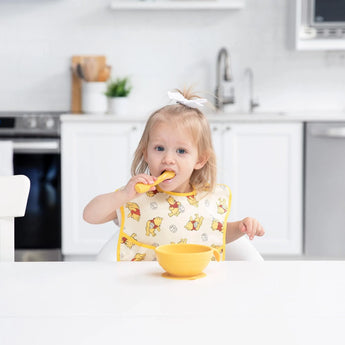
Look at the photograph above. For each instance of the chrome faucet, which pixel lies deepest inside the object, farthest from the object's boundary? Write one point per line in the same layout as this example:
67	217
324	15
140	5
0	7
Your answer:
223	96
252	102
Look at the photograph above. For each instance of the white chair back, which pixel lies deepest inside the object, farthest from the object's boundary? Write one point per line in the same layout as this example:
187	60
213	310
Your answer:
14	192
242	250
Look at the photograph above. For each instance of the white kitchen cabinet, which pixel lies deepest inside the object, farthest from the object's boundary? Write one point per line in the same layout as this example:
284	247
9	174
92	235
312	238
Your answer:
262	164
96	159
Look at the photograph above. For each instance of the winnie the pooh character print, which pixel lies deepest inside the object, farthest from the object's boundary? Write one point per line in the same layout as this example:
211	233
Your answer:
153	225
134	211
194	223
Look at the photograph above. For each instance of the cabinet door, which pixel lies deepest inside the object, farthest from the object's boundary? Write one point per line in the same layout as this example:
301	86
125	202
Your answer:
223	151
96	159
262	164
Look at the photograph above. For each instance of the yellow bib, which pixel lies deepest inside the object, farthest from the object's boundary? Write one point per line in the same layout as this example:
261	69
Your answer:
159	217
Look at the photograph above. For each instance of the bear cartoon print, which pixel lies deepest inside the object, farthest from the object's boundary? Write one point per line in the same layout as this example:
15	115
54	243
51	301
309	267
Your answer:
194	217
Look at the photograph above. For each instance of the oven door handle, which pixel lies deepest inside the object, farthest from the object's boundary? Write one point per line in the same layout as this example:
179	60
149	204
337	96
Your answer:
36	146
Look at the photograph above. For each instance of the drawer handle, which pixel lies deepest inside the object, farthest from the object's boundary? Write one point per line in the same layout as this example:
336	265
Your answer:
336	132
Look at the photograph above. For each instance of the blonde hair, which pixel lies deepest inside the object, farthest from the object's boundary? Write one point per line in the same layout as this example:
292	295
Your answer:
193	120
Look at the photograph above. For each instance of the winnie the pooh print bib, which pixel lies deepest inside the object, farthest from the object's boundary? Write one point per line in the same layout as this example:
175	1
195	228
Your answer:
159	217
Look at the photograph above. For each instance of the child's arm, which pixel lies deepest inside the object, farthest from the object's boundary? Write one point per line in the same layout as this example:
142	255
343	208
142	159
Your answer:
103	207
249	226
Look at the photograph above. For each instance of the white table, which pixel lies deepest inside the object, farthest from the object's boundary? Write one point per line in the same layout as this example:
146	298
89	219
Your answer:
281	302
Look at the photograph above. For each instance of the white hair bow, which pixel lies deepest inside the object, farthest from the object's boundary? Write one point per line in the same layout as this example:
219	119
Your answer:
192	103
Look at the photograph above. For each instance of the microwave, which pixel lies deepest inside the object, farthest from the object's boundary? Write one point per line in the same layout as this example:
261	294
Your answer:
327	13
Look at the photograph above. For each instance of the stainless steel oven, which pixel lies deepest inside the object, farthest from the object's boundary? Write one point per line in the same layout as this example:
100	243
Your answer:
36	154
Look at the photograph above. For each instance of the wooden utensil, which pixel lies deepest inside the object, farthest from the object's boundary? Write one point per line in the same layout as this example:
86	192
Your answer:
90	69
143	188
80	72
104	74
76	81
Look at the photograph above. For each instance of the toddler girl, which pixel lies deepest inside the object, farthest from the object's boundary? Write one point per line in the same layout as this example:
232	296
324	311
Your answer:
186	208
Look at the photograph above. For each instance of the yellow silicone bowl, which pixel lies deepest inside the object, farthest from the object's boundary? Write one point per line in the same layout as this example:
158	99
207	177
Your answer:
185	260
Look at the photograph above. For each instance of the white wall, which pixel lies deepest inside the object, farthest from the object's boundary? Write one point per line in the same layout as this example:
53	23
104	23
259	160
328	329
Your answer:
159	51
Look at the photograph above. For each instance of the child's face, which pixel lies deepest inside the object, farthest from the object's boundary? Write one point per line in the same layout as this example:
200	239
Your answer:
172	148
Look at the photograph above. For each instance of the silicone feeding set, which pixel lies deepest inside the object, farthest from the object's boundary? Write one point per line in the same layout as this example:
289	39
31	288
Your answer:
185	261
180	261
143	188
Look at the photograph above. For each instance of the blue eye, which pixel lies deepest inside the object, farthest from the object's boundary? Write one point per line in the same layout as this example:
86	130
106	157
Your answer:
181	151
159	148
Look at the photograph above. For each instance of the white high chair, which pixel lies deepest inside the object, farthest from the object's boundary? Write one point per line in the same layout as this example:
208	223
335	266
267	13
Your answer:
239	250
14	192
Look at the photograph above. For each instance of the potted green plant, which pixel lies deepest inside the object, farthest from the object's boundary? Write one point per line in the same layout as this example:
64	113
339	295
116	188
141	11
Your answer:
117	92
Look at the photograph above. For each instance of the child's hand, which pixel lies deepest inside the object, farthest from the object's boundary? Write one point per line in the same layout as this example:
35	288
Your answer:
129	189
251	227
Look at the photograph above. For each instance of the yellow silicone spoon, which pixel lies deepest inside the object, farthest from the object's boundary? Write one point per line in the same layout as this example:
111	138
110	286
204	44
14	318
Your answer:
143	188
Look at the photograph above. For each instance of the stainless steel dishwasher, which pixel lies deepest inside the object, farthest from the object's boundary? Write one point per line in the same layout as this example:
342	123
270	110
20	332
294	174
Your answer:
325	190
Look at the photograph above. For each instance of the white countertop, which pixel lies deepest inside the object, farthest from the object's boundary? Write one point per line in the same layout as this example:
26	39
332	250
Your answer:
283	302
330	116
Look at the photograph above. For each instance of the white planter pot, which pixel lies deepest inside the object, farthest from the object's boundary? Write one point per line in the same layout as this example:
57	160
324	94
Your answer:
118	106
93	97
